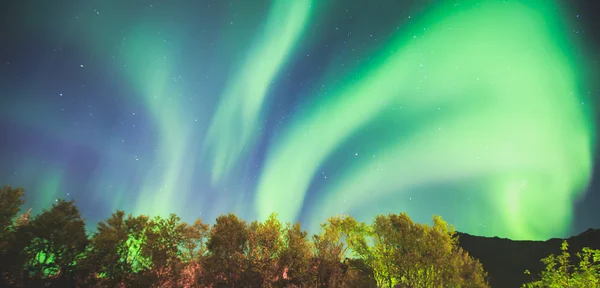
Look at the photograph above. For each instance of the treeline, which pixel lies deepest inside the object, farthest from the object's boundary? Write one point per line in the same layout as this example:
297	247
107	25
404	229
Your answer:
53	249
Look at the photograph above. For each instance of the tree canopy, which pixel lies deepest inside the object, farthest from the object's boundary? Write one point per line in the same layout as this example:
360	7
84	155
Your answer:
561	272
53	249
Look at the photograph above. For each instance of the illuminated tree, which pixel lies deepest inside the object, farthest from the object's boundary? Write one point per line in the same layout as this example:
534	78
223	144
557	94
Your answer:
127	251
54	243
415	255
333	245
560	272
115	255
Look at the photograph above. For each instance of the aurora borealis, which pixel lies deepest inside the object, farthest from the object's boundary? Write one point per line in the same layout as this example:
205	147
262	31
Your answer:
479	111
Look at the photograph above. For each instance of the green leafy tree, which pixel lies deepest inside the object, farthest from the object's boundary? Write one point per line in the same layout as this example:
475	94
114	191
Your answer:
226	246
194	240
357	274
54	243
328	260
560	272
413	255
161	249
193	253
136	251
336	241
115	255
296	258
11	200
127	251
264	247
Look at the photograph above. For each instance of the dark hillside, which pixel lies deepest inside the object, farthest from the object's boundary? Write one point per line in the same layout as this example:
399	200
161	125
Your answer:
505	260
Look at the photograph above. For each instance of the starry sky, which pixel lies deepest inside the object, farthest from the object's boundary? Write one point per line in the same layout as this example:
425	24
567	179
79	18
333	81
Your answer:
483	112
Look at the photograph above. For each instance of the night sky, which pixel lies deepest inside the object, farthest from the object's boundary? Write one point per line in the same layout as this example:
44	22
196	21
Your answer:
483	112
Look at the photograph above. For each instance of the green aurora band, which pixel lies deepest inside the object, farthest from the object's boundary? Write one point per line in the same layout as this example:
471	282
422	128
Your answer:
237	117
151	74
474	110
482	102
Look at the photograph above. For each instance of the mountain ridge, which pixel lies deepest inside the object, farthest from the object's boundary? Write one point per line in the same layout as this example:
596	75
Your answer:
506	260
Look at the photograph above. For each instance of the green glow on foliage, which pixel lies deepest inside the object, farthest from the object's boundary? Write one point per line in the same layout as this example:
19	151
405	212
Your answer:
43	258
134	245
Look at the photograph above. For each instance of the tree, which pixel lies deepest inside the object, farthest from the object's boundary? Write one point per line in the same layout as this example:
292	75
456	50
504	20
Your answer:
226	246
194	252
127	251
264	246
415	255
358	274
194	239
163	239
333	244
137	251
115	254
11	200
296	257
328	261
560	272
54	243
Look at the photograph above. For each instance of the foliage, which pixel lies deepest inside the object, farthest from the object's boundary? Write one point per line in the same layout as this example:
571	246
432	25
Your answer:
52	245
332	245
226	246
264	246
296	257
560	272
10	201
115	254
194	240
139	251
415	255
